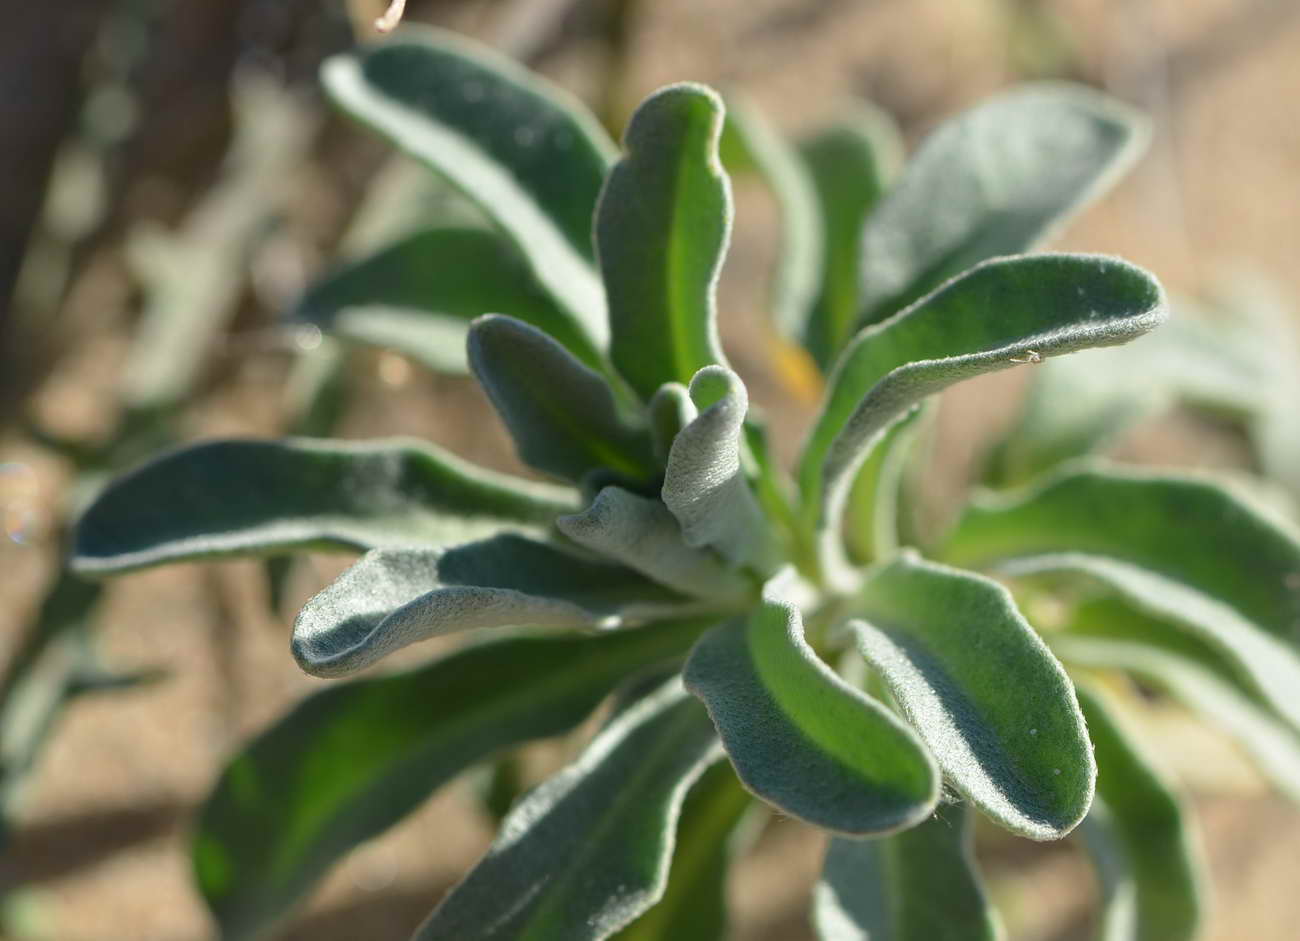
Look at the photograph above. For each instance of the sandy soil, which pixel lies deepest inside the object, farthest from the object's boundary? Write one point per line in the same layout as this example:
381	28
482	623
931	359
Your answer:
103	850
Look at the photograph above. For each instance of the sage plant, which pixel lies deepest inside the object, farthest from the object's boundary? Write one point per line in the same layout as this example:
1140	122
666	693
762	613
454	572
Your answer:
760	639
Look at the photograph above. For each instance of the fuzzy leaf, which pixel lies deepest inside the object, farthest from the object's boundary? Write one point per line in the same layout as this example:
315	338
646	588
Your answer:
1147	852
1082	403
873	523
1108	633
749	141
527	154
245	497
418	295
395	597
705	485
662	229
587	851
987	319
561	414
996	180
918	885
694	905
803	739
640	533
852	162
353	759
670	410
982	690
1180	548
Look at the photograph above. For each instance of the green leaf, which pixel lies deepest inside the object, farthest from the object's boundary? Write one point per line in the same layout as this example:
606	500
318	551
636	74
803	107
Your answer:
418	295
316	389
1181	548
918	885
1267	338
352	760
642	534
587	851
527	154
391	598
670	410
873	527
803	739
852	162
561	414
749	141
1146	845
694	905
244	497
951	647
1004	312
996	180
39	680
1082	403
705	485
1109	633
662	228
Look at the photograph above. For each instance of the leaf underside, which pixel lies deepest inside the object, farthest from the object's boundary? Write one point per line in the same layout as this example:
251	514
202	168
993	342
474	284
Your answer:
395	597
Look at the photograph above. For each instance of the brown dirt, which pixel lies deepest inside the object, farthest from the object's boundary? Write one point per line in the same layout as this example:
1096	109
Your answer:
103	846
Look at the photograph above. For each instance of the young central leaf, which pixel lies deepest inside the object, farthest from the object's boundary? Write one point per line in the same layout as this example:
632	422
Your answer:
662	228
705	486
641	533
803	739
561	414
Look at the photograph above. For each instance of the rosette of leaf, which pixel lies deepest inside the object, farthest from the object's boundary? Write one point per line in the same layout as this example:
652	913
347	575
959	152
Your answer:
672	564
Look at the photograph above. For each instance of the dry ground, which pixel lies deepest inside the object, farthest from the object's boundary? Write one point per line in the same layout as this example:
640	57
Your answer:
103	849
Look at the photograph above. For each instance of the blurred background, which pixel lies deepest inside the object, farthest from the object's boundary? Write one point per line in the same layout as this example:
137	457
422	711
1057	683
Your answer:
173	179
